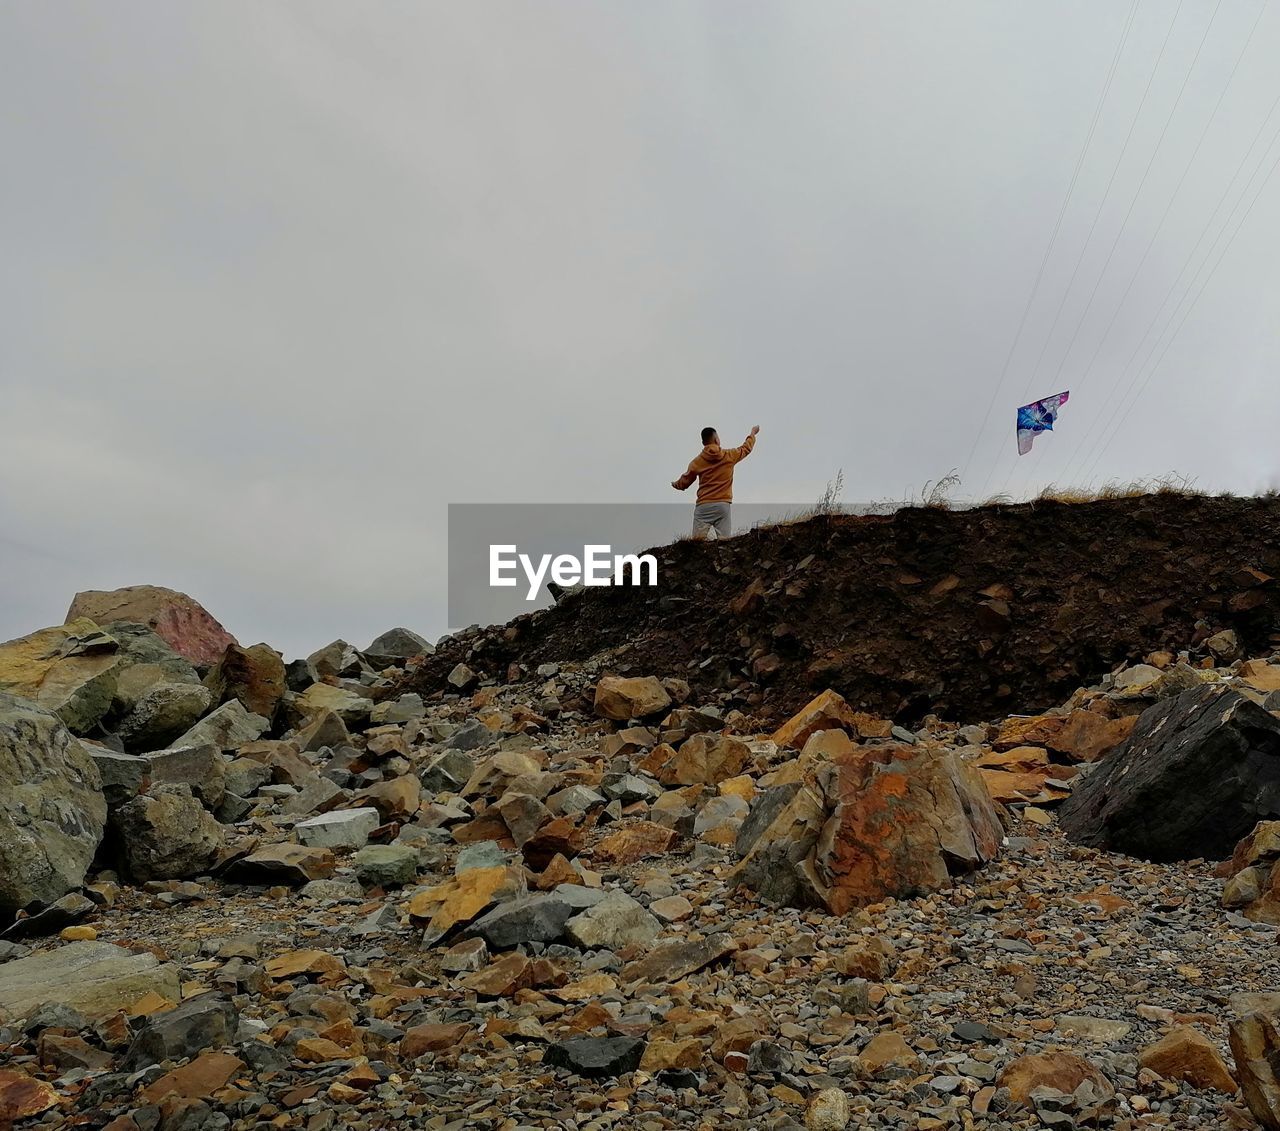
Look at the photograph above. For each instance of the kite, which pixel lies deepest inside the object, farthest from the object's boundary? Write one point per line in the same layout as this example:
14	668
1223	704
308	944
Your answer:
1037	417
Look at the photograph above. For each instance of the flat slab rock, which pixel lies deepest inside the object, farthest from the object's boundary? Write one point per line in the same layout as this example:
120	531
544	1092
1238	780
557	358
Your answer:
95	978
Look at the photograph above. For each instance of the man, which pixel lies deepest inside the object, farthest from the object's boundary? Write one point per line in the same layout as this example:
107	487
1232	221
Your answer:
713	469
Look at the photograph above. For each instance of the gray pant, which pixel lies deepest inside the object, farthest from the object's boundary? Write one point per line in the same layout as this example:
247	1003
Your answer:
711	516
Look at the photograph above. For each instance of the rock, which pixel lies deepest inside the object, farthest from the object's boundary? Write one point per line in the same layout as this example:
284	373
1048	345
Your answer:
1086	736
336	659
464	898
889	820
69	670
465	957
204	1022
347	705
422	1039
887	1055
323	728
96	978
207	1074
447	772
290	864
123	776
167	834
1198	771
162	713
395	800
472	735
828	711
462	678
318	795
403	709
244	776
177	619
625	699
670	960
52	812
704	759
635	842
23	1096
615	922
71	908
828	1110
538	918
1100	1030
386	865
1255	1045
227	727
504	977
201	767
342	829
395	646
596	1058
1063	1071
523	815
254	676
1187	1054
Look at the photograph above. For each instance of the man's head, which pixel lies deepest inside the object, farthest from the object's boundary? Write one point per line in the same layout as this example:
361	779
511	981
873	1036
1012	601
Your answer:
710	436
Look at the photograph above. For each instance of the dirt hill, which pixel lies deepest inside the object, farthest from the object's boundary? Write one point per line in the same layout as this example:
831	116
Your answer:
966	614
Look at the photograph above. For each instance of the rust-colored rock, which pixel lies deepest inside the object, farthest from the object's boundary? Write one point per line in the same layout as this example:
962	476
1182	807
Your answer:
180	621
1187	1054
884	821
501	978
1086	736
826	711
463	898
1053	1069
198	1080
422	1039
1255	1045
704	759
624	699
254	675
22	1096
635	842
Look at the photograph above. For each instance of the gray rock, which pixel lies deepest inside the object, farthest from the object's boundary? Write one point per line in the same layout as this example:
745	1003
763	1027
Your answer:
71	908
52	812
162	713
208	1021
448	771
630	788
402	710
395	646
123	776
482	854
386	865
245	776
318	794
615	922
596	1057
343	828
471	735
97	978
167	834
333	891
201	767
232	809
336	659
538	918
227	728
299	675
324	728
576	799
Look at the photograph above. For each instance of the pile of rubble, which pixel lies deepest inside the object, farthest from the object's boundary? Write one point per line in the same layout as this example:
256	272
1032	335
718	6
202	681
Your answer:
243	893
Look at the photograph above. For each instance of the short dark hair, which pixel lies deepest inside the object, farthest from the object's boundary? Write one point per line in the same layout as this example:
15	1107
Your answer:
707	433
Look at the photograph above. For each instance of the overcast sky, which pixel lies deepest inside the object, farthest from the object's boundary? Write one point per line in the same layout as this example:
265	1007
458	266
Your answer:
279	281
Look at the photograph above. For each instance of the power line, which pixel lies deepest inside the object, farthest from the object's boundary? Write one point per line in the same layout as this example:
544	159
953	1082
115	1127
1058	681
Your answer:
1057	227
1119	423
1168	208
1124	149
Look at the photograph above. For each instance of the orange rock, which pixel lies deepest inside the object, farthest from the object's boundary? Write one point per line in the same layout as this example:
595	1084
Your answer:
560	837
1260	675
1054	1069
1087	736
22	1096
624	699
395	800
1187	1054
826	711
502	978
197	1080
317	1050
321	963
422	1039
1018	760
463	898
558	871
743	787
635	842
660	1054
1027	730
887	1050
1030	787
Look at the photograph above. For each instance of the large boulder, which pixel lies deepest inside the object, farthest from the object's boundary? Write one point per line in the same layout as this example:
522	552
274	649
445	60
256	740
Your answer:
167	834
147	661
1198	772
70	670
227	728
255	676
872	822
1255	1045
181	621
395	646
162	713
52	811
93	978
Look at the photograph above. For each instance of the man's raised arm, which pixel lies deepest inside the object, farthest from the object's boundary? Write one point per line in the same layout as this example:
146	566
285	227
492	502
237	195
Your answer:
733	455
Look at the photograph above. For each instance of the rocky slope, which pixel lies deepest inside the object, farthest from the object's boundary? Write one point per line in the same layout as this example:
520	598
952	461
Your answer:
242	893
966	614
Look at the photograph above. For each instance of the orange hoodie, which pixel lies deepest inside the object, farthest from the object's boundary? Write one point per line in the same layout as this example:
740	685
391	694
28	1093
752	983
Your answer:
713	468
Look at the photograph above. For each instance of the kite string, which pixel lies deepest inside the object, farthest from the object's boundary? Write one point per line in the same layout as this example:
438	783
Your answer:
1057	227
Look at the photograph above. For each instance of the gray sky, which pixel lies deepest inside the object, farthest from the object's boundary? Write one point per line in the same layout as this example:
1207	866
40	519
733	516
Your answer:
281	280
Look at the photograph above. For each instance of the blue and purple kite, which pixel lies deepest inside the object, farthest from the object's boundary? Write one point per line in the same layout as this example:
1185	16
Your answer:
1037	417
